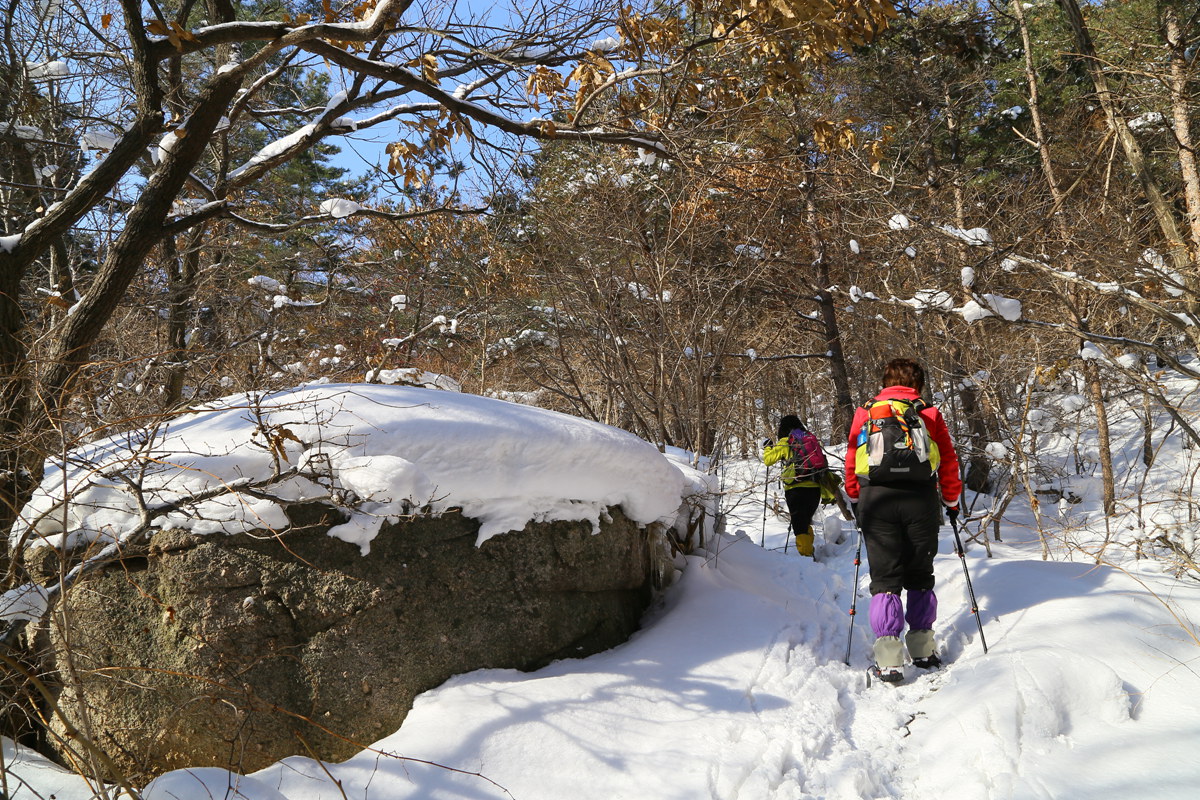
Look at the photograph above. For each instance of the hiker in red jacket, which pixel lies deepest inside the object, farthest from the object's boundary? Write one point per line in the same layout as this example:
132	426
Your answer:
898	458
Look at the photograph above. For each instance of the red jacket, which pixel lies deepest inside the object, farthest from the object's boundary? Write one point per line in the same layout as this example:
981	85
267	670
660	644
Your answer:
948	480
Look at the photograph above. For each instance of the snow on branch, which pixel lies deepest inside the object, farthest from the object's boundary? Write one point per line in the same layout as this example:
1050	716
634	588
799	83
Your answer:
1110	288
976	237
1010	310
754	355
274	153
312	219
280	33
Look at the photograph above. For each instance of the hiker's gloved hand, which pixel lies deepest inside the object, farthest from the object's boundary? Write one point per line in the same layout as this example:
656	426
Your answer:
766	443
952	512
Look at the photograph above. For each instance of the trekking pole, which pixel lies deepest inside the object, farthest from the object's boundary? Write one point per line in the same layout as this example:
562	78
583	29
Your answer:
854	588
766	489
962	556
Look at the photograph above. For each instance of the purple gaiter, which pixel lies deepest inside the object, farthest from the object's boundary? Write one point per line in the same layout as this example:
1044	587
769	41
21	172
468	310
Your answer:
922	609
887	614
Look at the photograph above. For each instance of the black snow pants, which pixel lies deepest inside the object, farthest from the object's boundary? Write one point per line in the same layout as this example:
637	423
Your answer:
900	528
802	504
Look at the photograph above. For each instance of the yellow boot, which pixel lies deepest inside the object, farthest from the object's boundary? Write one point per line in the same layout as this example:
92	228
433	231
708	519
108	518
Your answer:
804	543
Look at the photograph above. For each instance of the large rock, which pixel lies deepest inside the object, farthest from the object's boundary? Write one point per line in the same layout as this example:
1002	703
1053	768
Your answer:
236	651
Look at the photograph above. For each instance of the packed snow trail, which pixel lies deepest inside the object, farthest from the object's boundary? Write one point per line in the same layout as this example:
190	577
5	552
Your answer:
726	693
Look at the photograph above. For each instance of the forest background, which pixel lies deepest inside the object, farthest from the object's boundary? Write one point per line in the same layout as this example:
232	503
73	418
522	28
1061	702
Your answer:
679	219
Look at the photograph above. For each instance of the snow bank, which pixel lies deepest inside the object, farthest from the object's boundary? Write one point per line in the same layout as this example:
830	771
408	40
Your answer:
1075	701
198	782
29	775
411	376
374	447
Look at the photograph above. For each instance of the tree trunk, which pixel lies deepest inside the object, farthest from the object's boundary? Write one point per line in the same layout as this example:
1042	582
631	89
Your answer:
1159	204
843	409
1091	372
184	268
1147	432
1181	109
1096	390
979	468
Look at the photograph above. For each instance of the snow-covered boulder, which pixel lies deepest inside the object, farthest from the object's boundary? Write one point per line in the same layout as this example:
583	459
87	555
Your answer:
296	567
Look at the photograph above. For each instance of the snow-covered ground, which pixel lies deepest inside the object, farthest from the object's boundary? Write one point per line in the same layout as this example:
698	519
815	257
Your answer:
736	686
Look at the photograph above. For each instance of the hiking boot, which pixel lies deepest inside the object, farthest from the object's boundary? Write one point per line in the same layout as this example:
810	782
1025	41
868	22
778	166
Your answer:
804	543
930	661
888	674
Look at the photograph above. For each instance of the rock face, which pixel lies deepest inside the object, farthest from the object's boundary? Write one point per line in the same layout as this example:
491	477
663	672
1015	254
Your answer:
236	651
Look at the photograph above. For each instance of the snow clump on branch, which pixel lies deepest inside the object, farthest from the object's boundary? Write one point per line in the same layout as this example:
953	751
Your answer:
932	299
1006	308
48	71
976	237
340	208
267	284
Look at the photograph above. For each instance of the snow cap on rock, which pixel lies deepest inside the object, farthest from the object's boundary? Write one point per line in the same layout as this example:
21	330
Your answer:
391	447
